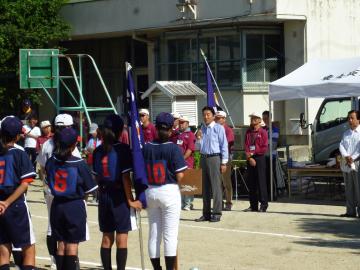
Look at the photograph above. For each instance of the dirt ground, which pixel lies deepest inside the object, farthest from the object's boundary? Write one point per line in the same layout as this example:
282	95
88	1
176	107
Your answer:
293	234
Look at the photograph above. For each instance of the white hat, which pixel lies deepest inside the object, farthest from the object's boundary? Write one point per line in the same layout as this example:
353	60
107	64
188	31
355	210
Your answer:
220	114
64	119
255	114
176	115
93	128
183	118
45	124
144	111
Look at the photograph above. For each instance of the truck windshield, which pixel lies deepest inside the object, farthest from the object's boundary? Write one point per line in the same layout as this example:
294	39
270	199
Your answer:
333	113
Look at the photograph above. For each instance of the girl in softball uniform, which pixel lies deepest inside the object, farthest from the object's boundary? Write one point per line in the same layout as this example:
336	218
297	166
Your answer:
165	166
70	180
16	172
112	166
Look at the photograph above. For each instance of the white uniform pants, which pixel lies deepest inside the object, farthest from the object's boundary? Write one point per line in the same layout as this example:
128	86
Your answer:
164	206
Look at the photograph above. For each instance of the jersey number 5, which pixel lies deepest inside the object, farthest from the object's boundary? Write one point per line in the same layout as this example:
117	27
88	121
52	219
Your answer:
2	171
156	174
60	181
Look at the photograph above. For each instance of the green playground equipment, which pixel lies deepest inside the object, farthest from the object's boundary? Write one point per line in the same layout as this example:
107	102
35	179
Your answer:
39	69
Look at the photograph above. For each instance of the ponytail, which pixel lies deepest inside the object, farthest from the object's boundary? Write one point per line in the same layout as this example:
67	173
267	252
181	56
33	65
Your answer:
61	152
109	137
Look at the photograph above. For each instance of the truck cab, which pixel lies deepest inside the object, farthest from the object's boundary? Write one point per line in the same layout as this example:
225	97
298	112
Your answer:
329	125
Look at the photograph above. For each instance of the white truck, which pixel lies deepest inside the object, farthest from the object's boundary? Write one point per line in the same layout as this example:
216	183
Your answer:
329	125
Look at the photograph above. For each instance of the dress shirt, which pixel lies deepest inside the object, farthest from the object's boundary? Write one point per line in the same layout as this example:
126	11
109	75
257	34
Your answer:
214	141
350	143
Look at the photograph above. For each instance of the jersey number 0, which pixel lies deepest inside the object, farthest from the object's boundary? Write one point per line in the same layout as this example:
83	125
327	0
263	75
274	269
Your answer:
157	172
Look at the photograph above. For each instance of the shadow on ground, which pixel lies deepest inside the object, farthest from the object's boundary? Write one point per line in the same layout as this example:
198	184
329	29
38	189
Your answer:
346	231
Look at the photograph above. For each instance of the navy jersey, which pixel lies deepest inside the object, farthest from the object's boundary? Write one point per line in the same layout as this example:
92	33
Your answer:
163	161
15	167
109	167
71	179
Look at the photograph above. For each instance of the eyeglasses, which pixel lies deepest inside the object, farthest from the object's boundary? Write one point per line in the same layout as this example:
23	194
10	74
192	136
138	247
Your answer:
142	115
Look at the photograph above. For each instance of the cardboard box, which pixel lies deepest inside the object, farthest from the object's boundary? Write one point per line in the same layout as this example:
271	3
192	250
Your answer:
191	184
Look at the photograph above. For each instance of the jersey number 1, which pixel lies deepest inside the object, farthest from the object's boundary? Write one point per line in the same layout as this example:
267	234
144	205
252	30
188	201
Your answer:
60	181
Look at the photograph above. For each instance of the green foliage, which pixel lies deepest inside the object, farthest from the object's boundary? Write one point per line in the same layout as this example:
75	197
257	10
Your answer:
197	157
30	24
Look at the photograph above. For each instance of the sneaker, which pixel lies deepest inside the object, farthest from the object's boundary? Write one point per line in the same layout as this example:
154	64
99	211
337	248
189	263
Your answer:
53	263
187	208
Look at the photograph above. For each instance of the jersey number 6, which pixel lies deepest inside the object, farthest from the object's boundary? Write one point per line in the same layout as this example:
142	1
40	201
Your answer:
60	181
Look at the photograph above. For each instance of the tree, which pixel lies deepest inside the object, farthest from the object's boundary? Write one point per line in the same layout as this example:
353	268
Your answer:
25	24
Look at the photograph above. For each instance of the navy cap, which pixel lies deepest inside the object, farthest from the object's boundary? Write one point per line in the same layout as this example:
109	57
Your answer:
114	122
26	102
165	120
11	125
68	136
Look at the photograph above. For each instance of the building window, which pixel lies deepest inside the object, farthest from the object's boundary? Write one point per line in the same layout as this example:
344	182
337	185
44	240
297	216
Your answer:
235	58
263	57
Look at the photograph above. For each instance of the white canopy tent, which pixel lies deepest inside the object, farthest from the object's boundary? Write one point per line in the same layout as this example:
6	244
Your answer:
318	78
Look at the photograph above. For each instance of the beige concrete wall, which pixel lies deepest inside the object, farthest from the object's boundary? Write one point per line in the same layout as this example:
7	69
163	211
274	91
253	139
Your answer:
119	16
330	30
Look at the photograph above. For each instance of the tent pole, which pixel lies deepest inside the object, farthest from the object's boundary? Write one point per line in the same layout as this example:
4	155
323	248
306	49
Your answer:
271	152
217	87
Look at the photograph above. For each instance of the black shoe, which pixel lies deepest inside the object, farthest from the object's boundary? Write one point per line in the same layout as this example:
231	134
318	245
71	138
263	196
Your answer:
202	219
228	207
250	210
347	215
215	218
263	208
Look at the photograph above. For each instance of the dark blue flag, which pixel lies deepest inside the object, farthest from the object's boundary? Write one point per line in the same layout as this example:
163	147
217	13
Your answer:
210	90
137	142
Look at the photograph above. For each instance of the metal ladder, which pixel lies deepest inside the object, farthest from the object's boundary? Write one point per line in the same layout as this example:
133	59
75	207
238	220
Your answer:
80	102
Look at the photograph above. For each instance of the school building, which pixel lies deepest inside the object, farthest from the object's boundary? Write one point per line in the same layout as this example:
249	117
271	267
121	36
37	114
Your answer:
248	43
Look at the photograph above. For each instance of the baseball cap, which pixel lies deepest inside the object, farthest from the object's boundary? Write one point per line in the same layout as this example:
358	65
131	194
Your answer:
144	111
93	127
176	115
255	114
220	114
11	125
184	118
68	136
26	102
45	124
164	120
114	122
64	119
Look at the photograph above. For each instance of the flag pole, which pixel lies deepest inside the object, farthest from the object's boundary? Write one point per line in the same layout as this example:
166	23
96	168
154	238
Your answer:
128	68
217	87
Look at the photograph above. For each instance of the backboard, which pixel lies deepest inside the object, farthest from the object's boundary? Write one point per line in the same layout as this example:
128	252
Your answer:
38	68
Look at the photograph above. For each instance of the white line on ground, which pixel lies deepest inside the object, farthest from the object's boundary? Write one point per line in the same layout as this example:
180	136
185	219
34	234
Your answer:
234	230
87	263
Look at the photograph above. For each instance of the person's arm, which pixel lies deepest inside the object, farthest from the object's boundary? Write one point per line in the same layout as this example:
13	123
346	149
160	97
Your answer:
187	153
21	189
128	193
264	143
223	143
179	177
342	148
